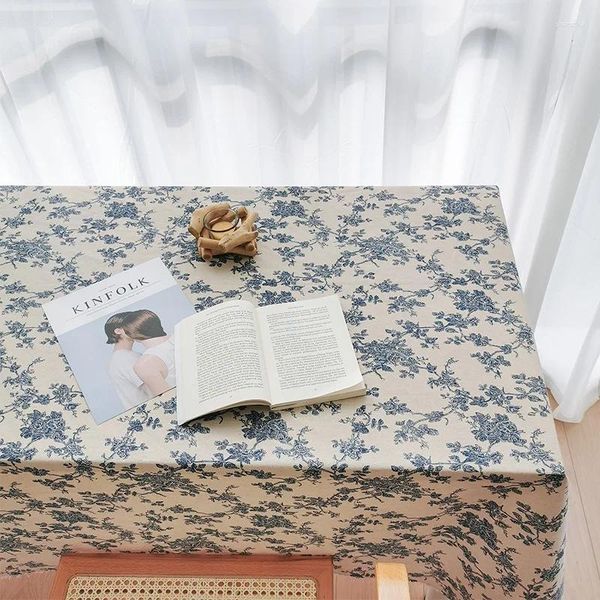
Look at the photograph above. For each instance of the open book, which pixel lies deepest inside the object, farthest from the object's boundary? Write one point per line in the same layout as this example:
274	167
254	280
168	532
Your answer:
281	356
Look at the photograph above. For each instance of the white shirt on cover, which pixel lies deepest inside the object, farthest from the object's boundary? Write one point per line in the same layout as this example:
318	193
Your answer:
166	352
130	388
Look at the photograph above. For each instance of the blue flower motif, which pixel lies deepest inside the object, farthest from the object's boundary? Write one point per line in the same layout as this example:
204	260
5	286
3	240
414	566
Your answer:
121	210
38	425
472	301
290	208
480	528
265	426
495	429
457	206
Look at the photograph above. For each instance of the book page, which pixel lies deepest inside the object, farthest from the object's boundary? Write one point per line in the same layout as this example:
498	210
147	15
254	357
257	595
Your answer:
219	360
307	348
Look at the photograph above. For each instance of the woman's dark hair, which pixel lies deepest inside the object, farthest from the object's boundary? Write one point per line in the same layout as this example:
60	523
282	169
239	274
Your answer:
113	323
143	325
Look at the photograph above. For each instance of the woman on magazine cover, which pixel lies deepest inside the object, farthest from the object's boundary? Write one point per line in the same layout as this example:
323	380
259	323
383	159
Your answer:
127	383
156	366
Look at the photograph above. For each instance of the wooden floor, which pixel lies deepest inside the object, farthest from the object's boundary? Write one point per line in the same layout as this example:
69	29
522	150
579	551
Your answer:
580	445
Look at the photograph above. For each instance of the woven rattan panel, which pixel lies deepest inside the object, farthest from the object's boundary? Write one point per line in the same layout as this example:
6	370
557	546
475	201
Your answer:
102	587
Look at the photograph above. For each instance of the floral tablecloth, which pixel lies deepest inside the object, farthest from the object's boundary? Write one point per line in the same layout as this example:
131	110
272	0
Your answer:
450	463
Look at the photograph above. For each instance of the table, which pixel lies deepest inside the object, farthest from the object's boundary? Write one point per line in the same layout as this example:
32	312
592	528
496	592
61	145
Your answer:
450	463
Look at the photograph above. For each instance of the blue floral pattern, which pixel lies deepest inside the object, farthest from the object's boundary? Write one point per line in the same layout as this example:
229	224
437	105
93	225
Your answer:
450	463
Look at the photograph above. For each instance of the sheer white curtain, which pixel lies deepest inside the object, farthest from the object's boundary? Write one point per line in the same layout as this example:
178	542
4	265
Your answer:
267	92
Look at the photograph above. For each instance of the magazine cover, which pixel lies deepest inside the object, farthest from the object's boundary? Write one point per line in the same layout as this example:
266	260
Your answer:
117	335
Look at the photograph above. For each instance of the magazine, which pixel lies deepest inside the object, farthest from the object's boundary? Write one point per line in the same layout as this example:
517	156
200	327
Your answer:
117	336
281	356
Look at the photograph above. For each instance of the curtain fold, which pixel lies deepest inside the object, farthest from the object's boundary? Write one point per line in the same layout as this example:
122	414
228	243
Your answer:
392	92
